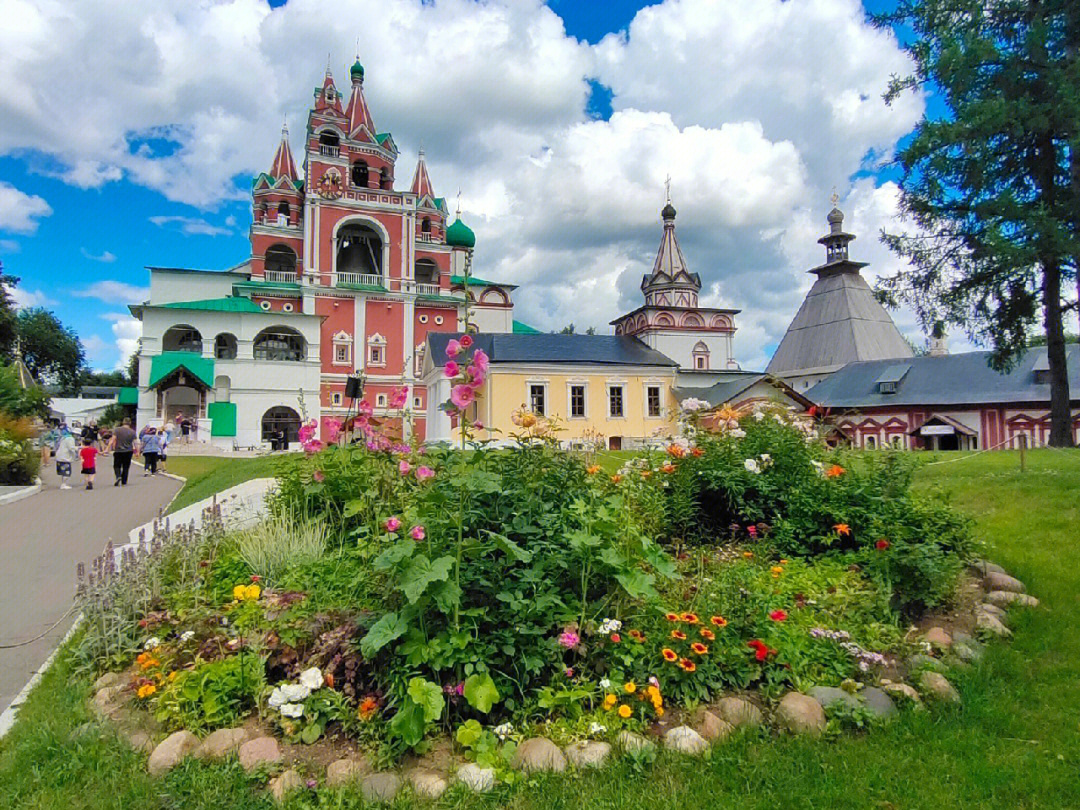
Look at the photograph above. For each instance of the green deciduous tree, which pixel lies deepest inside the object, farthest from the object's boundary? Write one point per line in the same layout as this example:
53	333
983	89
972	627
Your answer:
50	350
8	329
993	186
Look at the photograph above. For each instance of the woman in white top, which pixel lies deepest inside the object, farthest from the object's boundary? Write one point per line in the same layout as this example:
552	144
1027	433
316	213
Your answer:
66	453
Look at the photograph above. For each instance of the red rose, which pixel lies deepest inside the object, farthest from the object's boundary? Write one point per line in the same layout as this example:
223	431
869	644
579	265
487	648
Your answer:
778	616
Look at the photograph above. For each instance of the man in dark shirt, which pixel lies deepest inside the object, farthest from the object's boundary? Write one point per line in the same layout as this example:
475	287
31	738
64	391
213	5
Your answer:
89	432
123	448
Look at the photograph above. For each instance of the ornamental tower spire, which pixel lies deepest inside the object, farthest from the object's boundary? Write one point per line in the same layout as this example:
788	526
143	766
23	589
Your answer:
421	182
671	282
283	164
357	112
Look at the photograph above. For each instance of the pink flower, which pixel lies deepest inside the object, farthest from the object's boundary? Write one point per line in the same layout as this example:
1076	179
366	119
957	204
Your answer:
392	523
319	476
333	429
752	531
569	672
417	533
451	369
615	638
466	341
462	396
424	473
313	446
453	349
399	396
404	467
364	409
478	425
480	359
569	639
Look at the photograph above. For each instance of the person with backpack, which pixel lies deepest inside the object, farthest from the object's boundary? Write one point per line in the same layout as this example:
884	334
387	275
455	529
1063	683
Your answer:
151	448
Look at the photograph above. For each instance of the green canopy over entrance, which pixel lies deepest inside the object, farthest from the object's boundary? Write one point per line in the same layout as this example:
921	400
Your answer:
164	364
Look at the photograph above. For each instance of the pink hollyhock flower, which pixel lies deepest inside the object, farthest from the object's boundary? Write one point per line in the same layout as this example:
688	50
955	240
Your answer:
363	408
424	473
392	523
333	429
453	349
404	467
417	533
569	639
399	396
752	531
451	369
459	690
462	396
466	341
480	359
319	476
313	446
478	425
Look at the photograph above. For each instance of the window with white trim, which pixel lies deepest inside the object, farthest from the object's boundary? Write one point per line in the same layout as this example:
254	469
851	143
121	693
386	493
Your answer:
652	401
335	398
616	401
376	350
577	402
380	400
538	398
417	403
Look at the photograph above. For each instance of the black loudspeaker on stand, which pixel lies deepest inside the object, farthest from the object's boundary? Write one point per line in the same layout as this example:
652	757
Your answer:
352	387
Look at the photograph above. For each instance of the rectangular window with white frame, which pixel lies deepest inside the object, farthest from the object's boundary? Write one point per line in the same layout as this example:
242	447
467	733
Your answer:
616	401
653	401
376	355
577	402
342	352
538	398
335	398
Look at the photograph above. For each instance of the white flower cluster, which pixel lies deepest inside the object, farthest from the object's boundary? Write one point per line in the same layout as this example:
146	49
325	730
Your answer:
691	405
187	636
288	698
503	730
610	626
152	643
605	683
597	728
759	464
817	465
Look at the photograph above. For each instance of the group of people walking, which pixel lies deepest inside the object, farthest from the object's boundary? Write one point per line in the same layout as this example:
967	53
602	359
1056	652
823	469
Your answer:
122	443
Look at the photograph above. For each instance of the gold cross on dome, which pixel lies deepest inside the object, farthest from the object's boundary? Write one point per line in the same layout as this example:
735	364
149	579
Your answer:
835	198
667	188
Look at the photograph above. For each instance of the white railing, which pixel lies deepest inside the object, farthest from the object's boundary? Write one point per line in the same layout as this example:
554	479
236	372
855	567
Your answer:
328	151
427	289
426	237
282	276
361	278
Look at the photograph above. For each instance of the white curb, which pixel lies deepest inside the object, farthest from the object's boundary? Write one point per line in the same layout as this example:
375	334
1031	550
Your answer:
19	494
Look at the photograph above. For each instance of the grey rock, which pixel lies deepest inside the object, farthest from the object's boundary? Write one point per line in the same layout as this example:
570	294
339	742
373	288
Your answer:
380	787
105	700
260	751
473	776
903	691
286	783
938	636
990	624
170	751
685	740
219	744
738	712
972	651
828	695
631	742
108	679
343	771
139	740
589	754
426	783
1006	598
935	685
995	581
711	727
983	567
877	701
539	754
920	661
800	714
990	607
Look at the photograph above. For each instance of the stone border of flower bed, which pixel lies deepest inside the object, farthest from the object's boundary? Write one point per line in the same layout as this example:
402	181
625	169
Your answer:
795	713
21	493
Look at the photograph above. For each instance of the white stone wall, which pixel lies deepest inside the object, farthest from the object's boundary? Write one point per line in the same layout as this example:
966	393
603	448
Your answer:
679	346
492	319
169	288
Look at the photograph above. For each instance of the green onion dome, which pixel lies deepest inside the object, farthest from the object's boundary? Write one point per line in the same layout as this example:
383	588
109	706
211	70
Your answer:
460	235
357	70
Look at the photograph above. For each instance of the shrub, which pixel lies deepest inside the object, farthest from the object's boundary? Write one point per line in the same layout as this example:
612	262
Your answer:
211	695
19	459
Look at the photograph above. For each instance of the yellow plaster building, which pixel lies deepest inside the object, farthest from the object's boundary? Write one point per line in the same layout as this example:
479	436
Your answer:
613	386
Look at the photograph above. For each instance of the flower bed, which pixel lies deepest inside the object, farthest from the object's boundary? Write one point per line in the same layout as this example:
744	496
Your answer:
400	597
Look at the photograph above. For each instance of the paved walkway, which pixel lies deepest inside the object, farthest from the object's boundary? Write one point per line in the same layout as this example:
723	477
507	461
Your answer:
41	540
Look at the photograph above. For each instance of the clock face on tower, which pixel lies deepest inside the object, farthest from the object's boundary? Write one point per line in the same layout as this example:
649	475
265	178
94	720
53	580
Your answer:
330	184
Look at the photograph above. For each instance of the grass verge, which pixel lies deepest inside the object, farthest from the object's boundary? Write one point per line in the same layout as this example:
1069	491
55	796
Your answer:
209	474
1014	743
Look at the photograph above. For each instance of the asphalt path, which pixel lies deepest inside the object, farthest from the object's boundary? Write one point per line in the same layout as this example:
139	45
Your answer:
42	538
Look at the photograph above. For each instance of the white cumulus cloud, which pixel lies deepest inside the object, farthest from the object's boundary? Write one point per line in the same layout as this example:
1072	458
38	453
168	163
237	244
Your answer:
20	212
114	292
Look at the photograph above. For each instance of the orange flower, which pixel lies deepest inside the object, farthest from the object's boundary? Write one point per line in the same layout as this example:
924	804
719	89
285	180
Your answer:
625	711
659	711
638	636
616	479
609	701
748	554
146	690
687	665
368	707
777	569
719	621
707	634
675	451
143	656
668	468
330	679
678	635
835	471
698	452
669	654
842	529
671	617
593	470
699	648
646	473
783	562
690	618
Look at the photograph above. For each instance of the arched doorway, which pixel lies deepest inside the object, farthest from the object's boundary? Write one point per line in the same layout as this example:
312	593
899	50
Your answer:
281	422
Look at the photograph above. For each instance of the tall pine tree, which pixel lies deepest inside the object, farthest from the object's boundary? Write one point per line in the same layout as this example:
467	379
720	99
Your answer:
993	186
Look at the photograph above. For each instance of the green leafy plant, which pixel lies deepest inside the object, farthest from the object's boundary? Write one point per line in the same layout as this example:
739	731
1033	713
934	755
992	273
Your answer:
213	694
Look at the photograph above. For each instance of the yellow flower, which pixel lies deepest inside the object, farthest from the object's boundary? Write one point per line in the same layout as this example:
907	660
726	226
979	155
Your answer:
625	711
146	690
748	554
172	675
239	592
630	687
776	569
252	592
610	701
659	711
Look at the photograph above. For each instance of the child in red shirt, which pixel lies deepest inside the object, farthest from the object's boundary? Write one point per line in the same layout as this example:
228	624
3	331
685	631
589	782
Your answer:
88	454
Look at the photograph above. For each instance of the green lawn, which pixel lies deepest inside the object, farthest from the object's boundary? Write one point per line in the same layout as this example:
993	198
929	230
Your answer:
209	474
1015	743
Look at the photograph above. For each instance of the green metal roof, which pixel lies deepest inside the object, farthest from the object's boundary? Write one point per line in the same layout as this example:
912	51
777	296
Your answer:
479	282
363	287
233	303
128	396
524	329
164	364
264	285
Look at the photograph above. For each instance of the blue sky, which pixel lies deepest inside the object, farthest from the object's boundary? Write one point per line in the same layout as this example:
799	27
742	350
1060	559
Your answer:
83	239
